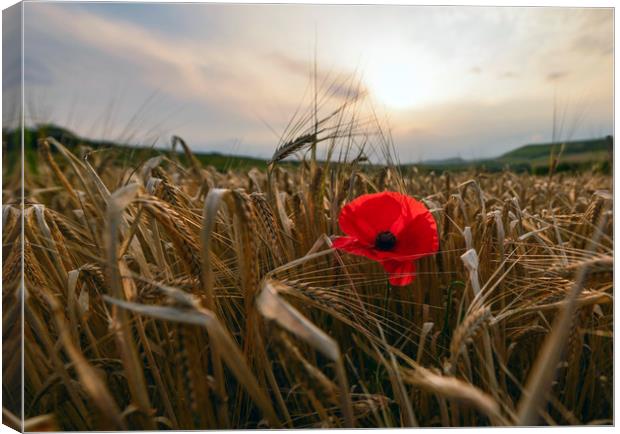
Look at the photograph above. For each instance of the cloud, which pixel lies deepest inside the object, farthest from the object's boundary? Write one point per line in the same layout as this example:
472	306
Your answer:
36	72
186	69
339	84
475	129
256	62
11	47
508	74
11	66
594	42
595	32
557	75
294	65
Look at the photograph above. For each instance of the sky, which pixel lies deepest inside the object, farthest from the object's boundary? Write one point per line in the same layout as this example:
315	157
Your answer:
470	82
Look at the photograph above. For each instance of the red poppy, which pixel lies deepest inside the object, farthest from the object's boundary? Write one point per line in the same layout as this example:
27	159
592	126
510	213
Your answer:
391	228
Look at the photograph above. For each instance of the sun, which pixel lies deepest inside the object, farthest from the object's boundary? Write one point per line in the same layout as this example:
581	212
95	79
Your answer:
399	79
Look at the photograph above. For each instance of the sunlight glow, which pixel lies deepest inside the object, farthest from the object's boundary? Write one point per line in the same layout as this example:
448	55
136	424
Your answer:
397	77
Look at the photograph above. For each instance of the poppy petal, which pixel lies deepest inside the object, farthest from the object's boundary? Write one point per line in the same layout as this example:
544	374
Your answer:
370	214
418	237
416	230
353	246
400	273
356	247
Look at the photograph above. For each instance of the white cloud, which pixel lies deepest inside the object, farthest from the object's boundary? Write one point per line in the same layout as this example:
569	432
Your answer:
251	64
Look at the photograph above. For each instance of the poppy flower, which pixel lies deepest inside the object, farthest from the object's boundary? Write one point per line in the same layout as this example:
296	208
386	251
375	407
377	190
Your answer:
390	228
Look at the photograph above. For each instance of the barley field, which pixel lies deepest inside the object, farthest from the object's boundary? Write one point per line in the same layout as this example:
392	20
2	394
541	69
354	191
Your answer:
167	295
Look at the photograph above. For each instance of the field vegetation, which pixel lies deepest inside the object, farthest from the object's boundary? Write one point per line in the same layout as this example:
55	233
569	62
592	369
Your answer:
166	294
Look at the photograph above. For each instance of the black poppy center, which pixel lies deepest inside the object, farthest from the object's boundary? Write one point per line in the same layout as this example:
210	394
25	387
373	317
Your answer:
385	241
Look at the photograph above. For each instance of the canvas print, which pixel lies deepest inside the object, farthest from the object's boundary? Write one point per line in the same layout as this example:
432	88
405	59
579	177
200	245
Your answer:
282	216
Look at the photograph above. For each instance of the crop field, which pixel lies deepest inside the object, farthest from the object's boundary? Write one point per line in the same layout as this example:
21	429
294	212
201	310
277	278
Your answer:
169	295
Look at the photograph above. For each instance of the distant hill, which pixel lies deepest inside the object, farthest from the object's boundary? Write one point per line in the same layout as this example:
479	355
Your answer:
535	157
543	150
456	161
576	155
11	142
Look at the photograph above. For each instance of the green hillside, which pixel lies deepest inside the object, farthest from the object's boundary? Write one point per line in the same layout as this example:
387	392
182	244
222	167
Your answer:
534	158
575	155
11	144
584	148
